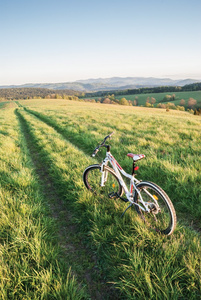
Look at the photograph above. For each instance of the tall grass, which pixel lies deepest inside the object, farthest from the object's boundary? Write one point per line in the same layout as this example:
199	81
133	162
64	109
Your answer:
31	266
141	264
170	141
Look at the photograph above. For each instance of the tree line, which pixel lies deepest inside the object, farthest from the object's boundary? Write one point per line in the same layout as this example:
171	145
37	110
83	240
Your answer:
148	90
31	93
25	93
167	102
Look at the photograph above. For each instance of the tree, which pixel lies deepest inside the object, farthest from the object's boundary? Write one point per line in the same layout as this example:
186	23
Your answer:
106	101
123	101
153	100
135	102
112	97
170	105
161	105
167	98
182	108
147	104
182	102
197	111
191	102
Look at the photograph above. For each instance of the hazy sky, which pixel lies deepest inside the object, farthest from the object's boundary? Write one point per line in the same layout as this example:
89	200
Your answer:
60	41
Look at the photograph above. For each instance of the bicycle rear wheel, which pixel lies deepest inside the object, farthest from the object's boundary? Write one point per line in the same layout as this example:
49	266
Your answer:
162	215
92	179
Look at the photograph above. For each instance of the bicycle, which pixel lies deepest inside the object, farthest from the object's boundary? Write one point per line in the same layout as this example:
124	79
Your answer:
150	201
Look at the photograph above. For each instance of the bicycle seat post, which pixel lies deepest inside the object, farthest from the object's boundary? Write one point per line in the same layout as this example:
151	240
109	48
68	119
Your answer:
133	169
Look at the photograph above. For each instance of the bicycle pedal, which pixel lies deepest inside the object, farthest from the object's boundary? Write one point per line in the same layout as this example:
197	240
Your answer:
113	195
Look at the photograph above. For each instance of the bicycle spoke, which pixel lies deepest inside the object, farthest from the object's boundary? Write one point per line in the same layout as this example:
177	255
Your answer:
162	216
111	187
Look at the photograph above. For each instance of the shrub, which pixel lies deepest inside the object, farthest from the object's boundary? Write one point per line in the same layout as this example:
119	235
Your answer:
182	108
161	105
123	101
197	111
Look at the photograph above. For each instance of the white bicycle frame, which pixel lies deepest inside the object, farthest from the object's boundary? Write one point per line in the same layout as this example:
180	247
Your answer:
133	181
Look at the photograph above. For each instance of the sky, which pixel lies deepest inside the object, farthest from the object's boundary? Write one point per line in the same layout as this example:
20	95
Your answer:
62	41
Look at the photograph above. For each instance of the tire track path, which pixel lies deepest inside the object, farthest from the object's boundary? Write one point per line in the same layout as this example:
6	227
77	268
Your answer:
79	142
75	251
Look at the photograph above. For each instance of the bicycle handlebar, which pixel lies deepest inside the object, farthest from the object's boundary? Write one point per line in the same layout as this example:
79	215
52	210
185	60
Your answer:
107	137
102	144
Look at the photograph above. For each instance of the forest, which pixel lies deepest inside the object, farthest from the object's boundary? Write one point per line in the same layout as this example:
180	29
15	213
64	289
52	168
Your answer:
31	93
147	90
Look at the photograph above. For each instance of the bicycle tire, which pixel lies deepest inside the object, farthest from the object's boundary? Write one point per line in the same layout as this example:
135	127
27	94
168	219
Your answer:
92	180
162	220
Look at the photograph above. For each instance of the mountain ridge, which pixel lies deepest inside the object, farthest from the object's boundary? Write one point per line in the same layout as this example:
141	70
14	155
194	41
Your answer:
111	83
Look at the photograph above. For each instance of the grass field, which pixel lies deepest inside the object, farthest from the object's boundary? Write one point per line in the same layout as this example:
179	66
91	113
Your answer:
7	104
58	241
160	96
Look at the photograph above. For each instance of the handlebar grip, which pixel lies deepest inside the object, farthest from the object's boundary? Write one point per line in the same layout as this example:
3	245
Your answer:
102	144
107	137
95	152
111	133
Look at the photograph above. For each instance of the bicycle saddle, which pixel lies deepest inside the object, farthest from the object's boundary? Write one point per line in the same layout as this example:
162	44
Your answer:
136	157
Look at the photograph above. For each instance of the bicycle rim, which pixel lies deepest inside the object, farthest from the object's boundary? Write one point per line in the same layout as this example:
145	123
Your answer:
111	188
162	217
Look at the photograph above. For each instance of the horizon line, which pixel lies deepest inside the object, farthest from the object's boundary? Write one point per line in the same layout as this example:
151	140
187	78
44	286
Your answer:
96	78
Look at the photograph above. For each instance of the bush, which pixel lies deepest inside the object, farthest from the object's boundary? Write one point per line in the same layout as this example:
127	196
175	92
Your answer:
171	105
191	111
197	111
161	105
123	101
182	108
148	104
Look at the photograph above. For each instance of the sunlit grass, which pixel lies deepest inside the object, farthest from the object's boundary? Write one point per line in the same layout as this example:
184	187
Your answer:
30	266
170	141
140	263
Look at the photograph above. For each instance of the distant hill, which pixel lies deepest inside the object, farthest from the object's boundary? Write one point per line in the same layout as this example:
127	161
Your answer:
106	84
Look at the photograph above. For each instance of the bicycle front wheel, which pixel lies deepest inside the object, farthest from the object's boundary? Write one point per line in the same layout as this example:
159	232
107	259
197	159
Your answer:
102	184
162	215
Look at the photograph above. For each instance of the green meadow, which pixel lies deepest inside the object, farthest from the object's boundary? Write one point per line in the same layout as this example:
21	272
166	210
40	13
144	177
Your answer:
57	241
160	96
